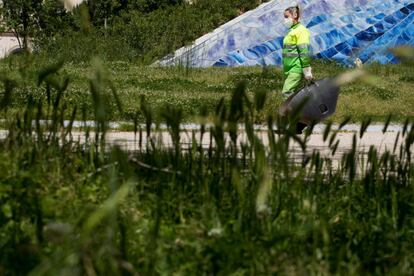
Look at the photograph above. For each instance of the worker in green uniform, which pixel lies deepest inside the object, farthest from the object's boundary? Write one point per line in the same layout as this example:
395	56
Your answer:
296	58
296	52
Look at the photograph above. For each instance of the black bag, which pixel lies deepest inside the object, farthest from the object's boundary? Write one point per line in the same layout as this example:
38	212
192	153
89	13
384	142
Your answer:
316	102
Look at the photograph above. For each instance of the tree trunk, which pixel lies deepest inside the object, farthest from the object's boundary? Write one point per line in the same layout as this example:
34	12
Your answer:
25	19
16	34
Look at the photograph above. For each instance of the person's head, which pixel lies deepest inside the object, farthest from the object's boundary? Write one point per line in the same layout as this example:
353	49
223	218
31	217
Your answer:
292	15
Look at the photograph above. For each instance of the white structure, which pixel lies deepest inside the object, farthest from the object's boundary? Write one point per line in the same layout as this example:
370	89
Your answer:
8	44
8	41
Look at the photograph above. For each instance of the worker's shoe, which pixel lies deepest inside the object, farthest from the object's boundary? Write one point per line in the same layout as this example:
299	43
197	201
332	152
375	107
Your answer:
300	127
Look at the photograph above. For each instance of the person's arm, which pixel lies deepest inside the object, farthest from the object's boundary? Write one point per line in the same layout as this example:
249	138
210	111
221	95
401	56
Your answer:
303	45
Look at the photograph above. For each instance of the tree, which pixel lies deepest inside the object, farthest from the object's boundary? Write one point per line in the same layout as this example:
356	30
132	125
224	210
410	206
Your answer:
147	6
22	18
54	18
33	19
102	10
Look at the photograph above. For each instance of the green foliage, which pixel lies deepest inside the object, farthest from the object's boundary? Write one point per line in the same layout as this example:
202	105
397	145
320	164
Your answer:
101	10
162	31
78	205
147	6
21	16
143	30
34	19
81	47
53	20
193	89
384	94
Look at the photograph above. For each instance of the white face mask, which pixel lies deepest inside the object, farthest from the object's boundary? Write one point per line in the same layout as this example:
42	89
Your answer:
288	22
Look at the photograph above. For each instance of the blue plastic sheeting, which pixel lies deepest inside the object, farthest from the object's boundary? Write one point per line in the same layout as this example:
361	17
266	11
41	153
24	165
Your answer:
341	30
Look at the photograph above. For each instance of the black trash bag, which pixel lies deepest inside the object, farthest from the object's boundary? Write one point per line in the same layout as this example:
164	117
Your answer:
316	102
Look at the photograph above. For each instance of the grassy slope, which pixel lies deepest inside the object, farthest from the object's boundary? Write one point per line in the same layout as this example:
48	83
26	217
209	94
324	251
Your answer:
192	89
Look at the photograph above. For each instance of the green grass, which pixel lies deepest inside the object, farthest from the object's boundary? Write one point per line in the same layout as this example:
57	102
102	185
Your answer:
196	89
71	208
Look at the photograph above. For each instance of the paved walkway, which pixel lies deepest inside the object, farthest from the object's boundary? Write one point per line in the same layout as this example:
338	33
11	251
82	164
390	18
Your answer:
373	137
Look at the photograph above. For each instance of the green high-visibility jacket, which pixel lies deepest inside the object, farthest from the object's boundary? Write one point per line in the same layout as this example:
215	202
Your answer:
296	49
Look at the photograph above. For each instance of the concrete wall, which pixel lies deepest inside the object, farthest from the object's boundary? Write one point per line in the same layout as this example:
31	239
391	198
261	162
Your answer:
8	44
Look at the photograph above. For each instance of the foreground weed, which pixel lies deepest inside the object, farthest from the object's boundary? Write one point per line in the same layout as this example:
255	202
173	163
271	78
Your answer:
77	205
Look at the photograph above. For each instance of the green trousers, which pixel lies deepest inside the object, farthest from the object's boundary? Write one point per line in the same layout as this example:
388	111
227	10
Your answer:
292	83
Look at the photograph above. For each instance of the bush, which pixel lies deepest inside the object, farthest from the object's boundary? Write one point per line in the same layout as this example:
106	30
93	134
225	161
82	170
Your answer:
162	31
75	46
140	33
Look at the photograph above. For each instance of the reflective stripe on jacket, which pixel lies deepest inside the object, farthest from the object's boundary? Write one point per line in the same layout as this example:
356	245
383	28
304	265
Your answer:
296	52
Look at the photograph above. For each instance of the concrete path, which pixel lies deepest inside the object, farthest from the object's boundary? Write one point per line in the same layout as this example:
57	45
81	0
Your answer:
373	137
380	141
